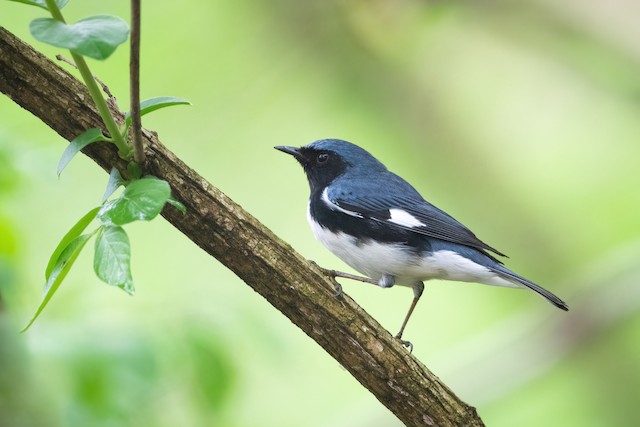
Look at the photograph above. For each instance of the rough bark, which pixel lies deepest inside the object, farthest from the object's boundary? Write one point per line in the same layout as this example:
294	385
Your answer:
230	234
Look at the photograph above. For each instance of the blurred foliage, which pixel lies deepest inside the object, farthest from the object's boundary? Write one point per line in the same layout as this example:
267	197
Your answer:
519	118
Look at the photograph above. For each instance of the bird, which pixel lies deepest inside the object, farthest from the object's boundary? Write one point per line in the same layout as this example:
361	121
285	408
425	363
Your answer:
380	225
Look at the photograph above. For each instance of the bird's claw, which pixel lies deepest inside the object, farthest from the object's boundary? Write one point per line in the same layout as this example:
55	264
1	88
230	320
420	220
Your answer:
405	343
338	288
331	273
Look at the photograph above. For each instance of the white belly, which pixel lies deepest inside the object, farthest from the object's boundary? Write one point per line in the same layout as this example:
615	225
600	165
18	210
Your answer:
375	260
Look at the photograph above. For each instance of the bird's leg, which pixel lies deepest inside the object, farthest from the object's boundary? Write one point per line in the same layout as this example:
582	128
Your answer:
417	292
386	281
333	274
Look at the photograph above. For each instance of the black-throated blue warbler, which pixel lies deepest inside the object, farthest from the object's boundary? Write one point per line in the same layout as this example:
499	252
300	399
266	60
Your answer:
377	223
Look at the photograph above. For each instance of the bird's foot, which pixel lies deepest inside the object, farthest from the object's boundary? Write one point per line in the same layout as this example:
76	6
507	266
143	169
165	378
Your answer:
404	343
338	288
388	281
333	274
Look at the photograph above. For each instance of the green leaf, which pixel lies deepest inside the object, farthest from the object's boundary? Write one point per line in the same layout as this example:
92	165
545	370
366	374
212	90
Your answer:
72	234
112	259
60	269
142	200
176	204
42	3
152	104
115	181
78	143
96	36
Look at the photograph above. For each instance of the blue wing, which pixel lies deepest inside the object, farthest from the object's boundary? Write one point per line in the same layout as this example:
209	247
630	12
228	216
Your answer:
390	199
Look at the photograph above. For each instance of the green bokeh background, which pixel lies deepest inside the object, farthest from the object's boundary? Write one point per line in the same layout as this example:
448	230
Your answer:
519	118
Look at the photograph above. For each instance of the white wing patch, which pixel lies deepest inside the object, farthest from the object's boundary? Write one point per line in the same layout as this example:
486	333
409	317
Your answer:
331	205
404	218
397	216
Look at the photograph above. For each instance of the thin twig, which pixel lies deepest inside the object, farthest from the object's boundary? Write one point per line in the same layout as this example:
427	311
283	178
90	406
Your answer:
105	88
134	81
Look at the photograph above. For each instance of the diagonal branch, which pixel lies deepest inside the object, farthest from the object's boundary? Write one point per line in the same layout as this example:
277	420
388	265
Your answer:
266	263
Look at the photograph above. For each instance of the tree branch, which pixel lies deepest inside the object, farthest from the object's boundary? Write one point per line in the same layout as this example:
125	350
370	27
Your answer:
266	263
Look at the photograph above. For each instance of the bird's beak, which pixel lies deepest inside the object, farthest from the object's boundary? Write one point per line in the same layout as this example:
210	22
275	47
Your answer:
294	151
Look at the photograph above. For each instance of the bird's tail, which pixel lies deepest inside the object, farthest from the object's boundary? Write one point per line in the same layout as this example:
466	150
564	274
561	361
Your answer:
510	276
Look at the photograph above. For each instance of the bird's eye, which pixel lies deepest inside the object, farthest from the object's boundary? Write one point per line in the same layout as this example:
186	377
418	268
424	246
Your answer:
322	158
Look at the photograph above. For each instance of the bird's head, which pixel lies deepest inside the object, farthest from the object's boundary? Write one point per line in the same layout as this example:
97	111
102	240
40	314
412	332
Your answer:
327	159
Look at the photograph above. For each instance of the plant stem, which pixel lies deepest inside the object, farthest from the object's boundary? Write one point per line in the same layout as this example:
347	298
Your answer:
124	150
55	11
134	84
105	88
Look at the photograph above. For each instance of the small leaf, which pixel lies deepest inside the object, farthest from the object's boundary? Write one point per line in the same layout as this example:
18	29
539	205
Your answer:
78	143
152	104
115	181
96	36
60	269
112	259
142	200
42	3
72	234
176	204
